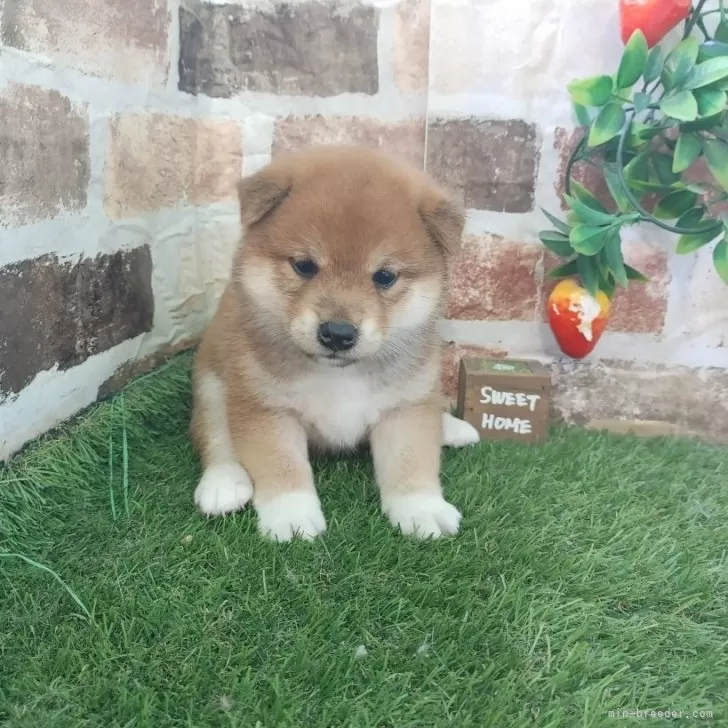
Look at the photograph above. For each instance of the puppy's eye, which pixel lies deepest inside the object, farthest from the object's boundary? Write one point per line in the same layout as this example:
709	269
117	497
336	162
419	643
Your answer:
305	268
384	278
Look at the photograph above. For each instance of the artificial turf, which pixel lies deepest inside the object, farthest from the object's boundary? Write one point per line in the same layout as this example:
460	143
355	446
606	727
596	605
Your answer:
590	575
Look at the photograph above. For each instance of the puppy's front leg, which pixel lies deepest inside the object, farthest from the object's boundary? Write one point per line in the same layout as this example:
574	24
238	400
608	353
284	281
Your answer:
273	448
406	447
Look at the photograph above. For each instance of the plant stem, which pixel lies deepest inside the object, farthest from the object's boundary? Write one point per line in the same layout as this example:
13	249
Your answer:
693	18
646	216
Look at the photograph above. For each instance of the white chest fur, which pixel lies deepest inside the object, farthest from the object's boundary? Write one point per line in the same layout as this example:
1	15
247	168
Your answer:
339	406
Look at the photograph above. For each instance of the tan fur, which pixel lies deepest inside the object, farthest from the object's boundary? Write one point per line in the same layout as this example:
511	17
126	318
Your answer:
264	391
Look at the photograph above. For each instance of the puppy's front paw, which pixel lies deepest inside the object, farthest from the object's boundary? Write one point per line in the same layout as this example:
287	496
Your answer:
291	514
223	489
457	433
423	515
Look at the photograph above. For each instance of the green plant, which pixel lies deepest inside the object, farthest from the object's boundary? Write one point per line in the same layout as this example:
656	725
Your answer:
645	128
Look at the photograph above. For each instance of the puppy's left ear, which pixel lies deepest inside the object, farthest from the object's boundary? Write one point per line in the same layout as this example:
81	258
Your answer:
444	219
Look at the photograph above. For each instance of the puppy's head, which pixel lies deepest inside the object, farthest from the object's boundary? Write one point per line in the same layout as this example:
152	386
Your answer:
345	251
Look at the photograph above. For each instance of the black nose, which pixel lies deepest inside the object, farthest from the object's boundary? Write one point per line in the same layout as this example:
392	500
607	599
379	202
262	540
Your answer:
337	335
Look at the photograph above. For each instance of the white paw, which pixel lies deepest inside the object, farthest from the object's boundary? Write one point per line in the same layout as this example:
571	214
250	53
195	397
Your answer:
223	489
457	433
292	514
423	515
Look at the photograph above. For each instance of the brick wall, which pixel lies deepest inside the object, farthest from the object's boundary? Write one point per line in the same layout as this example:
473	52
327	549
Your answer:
124	125
126	122
500	128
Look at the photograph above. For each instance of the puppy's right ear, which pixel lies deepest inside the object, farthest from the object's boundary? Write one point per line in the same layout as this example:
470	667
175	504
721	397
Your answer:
262	192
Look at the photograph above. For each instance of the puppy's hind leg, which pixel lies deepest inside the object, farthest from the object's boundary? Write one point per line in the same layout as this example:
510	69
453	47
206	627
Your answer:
225	485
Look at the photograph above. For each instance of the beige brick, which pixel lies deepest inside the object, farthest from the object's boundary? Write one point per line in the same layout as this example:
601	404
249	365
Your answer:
412	44
120	39
405	139
704	307
44	155
494	279
155	161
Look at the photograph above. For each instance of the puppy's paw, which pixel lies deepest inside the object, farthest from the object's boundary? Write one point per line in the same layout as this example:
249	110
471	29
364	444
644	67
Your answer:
423	515
291	514
457	433
223	489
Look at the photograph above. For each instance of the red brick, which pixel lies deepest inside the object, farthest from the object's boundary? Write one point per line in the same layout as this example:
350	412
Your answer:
491	164
155	161
412	44
405	139
44	155
120	39
59	313
565	142
495	279
451	355
641	307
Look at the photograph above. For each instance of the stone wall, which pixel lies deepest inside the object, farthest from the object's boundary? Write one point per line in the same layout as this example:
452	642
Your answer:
124	124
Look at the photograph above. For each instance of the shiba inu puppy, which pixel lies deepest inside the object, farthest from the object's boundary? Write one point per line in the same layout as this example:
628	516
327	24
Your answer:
325	338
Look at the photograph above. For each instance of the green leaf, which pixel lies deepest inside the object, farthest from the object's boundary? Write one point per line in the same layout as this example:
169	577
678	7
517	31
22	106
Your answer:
557	243
634	275
587	214
633	60
716	156
582	115
638	168
690	243
588	239
607	125
654	64
712	49
662	165
690	219
615	188
688	149
681	106
584	196
708	72
568	269
721	32
607	284
641	101
614	258
720	259
588	269
710	101
702	124
562	227
674	205
592	91
680	63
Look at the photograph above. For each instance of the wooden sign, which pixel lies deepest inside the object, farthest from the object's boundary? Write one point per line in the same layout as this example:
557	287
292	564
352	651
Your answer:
505	399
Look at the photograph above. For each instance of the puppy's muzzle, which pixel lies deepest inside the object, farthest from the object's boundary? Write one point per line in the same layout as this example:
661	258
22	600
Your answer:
337	335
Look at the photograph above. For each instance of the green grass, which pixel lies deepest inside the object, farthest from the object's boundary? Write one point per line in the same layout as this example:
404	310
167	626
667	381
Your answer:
591	574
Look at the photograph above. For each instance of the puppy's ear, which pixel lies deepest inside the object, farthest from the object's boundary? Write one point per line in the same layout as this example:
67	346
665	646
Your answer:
444	219
262	192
